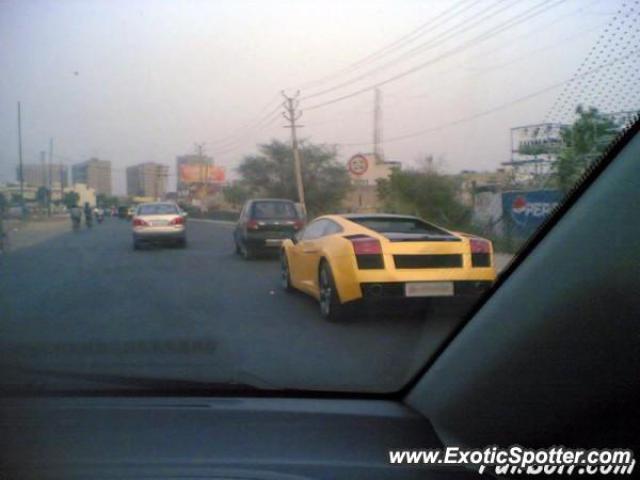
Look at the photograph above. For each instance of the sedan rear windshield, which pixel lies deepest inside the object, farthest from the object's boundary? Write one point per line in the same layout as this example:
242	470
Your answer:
274	210
158	209
395	225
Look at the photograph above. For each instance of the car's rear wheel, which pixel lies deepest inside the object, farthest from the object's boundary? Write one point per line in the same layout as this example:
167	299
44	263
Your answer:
182	243
136	245
285	273
330	306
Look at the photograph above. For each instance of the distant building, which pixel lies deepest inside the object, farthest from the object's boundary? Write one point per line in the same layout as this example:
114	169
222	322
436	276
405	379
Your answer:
365	169
37	174
85	194
94	173
147	180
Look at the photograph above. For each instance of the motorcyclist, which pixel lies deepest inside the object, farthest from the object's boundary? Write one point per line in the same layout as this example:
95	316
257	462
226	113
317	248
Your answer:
76	215
88	214
99	214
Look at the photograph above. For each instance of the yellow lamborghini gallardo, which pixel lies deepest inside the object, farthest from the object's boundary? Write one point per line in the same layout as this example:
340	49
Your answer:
339	259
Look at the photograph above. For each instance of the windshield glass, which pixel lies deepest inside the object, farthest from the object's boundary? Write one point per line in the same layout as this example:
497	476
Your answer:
345	179
157	209
264	210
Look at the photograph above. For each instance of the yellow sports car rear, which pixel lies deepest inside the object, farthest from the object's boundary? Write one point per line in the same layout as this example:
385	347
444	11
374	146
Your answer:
342	258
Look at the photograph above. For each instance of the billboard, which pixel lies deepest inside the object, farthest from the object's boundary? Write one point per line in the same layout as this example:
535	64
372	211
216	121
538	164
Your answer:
524	211
190	173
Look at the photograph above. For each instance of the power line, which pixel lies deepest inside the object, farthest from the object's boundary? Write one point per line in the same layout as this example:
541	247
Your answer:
509	24
433	42
521	57
535	30
491	110
399	43
249	126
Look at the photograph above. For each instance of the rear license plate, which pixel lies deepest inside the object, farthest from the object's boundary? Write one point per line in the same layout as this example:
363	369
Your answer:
159	223
273	242
428	289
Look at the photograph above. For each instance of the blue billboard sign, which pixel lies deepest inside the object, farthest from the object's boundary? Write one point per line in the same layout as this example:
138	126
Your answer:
525	211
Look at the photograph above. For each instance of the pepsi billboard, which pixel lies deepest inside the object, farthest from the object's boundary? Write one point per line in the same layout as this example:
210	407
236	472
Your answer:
525	211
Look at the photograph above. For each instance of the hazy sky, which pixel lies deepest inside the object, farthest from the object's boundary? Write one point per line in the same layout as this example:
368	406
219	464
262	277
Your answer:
134	81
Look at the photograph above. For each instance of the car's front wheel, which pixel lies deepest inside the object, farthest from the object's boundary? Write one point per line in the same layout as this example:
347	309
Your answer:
330	306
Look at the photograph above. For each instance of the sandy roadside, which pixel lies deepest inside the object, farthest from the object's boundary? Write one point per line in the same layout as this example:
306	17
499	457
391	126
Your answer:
23	234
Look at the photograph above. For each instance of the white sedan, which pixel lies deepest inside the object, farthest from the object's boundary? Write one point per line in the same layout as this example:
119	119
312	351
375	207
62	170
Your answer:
159	222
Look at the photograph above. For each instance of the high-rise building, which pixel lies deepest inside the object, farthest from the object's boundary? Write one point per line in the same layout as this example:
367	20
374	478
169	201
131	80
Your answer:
94	173
147	180
37	175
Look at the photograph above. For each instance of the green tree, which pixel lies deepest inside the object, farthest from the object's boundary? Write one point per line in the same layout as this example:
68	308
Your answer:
236	194
106	201
70	199
270	173
583	142
426	193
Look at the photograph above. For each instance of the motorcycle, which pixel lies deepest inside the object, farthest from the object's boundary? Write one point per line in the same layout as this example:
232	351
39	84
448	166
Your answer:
100	217
76	217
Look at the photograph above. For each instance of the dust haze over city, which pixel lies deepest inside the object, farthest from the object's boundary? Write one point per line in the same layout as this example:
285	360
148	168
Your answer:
143	81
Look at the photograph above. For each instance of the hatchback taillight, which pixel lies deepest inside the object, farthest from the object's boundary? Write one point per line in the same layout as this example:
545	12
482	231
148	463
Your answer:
479	245
298	224
138	222
177	221
252	225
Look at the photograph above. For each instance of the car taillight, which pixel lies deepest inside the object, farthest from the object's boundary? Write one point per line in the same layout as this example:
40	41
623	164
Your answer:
480	245
363	245
252	225
298	224
138	222
177	221
368	252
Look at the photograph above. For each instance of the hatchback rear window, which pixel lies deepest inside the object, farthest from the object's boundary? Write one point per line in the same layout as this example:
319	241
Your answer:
274	210
159	209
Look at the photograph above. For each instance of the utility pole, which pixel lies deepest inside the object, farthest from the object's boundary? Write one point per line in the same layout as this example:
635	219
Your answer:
20	167
377	125
62	175
43	166
50	182
200	153
290	105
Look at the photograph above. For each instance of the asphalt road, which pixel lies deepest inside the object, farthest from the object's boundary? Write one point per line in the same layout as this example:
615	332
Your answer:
86	301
